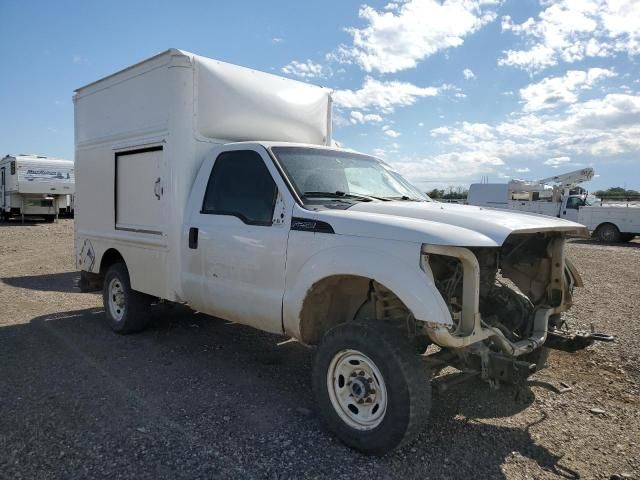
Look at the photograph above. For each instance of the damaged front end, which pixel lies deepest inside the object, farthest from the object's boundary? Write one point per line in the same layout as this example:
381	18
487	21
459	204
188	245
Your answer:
505	303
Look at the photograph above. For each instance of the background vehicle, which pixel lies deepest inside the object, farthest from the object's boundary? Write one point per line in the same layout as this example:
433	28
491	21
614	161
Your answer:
560	196
190	189
35	185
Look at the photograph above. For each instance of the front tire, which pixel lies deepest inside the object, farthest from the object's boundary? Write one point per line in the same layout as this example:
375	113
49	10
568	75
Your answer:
371	388
127	311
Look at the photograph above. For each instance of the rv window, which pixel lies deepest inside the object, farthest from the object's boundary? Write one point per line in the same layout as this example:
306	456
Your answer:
13	167
241	185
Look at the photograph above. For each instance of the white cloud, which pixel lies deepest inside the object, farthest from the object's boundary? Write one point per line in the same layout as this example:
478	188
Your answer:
306	69
523	170
452	167
384	95
553	91
276	40
572	30
403	33
468	74
391	133
360	118
557	161
603	129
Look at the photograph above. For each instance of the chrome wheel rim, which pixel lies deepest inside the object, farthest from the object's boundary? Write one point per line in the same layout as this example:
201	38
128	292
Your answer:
116	299
357	390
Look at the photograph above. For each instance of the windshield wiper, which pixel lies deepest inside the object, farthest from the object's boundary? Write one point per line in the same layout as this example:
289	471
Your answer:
404	198
340	194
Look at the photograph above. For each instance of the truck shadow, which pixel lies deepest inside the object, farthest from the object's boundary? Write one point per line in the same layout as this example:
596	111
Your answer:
212	394
53	282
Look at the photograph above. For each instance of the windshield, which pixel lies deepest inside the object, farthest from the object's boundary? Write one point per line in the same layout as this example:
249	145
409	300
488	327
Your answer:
319	173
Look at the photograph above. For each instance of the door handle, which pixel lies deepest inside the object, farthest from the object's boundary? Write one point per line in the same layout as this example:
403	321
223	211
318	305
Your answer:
157	189
193	238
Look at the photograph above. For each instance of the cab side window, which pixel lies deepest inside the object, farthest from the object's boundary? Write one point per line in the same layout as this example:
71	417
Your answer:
574	202
240	185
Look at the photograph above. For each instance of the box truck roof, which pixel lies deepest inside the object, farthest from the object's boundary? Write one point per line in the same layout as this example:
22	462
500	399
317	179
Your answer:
229	103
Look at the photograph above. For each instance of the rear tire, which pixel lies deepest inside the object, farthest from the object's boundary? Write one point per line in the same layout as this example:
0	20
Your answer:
371	388
127	311
608	233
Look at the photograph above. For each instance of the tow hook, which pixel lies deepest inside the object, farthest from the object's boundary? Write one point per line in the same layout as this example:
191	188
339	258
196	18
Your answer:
568	342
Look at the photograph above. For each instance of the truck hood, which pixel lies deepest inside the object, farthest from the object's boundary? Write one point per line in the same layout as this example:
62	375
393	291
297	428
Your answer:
440	223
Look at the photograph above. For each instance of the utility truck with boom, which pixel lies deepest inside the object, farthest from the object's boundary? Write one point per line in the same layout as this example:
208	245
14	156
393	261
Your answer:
209	184
557	197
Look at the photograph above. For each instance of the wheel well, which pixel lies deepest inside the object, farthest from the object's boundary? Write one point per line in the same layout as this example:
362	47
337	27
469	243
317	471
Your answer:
335	300
110	257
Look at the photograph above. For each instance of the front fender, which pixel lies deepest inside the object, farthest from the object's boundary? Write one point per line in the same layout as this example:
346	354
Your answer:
399	273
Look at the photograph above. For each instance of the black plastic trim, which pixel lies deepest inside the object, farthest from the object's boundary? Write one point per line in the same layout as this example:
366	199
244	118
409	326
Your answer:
310	225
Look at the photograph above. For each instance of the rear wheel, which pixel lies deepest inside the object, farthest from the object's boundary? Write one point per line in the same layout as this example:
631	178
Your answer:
371	387
127	311
607	232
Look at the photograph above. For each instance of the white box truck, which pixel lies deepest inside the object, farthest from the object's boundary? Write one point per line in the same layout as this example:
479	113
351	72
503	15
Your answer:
553	197
35	186
214	185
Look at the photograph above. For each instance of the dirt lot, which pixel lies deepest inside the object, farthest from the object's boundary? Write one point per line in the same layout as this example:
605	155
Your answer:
195	397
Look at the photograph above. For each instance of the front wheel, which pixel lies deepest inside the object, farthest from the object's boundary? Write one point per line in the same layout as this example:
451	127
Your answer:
127	311
371	387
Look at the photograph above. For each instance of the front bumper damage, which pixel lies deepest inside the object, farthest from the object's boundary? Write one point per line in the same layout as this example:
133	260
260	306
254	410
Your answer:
476	347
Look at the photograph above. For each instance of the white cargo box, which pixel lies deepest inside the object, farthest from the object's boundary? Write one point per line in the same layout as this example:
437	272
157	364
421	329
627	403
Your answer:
142	133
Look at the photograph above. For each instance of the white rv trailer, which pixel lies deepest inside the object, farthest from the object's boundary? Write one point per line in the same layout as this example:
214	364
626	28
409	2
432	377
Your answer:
190	190
35	186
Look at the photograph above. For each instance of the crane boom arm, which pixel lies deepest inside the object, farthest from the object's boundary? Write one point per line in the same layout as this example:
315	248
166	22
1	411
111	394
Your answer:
570	179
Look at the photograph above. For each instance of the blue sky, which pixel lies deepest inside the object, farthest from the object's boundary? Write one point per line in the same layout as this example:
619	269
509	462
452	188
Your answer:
447	92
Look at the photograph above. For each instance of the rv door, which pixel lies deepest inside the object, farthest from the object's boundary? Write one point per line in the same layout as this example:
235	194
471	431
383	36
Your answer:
2	188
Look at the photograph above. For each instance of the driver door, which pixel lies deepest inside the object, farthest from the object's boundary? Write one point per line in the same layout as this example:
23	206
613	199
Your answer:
570	209
241	234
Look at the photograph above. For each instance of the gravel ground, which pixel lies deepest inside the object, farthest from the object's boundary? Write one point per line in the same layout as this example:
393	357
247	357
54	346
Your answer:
195	397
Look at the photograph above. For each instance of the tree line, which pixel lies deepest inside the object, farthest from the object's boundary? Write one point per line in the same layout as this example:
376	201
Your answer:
450	193
617	193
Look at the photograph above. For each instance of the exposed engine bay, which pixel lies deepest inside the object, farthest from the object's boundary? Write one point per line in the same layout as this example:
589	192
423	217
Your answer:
505	303
514	281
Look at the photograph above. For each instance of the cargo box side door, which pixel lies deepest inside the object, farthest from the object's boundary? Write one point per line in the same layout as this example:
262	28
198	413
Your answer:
139	191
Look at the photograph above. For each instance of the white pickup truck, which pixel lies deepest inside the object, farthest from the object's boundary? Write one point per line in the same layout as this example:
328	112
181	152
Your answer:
328	246
610	224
